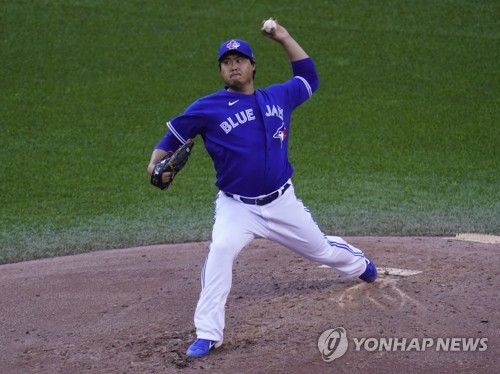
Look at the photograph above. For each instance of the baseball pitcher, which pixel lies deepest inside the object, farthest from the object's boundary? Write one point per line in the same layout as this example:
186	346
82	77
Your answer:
246	131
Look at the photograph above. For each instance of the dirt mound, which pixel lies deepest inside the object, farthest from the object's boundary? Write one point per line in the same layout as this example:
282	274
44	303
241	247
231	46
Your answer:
131	310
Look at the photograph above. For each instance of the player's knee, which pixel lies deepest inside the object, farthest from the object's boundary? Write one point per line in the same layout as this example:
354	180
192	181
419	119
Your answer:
226	249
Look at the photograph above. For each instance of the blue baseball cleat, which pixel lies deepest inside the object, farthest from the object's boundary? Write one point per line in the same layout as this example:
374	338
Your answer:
201	347
370	273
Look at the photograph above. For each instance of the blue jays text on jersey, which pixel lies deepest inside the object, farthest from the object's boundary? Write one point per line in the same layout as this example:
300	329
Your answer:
246	135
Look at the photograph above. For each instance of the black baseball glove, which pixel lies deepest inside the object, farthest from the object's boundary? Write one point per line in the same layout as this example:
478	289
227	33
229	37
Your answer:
171	163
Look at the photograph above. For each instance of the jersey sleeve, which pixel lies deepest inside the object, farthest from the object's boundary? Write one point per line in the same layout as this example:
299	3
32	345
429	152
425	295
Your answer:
306	70
169	143
304	83
183	127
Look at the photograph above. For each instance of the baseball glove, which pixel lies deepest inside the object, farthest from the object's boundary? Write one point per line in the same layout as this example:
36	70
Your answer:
171	163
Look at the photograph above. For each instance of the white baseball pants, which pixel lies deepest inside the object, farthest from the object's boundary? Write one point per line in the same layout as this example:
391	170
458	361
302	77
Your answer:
285	221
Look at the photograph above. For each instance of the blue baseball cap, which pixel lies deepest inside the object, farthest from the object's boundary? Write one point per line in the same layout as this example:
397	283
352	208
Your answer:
236	45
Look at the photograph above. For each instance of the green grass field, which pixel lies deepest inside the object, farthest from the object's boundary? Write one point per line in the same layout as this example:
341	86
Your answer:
402	138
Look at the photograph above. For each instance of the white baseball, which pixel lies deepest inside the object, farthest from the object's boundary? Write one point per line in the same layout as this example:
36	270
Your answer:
269	25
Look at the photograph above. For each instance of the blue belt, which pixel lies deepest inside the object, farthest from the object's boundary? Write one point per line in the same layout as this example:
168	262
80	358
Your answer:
261	200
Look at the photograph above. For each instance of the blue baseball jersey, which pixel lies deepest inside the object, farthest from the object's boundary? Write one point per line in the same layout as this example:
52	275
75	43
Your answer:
246	135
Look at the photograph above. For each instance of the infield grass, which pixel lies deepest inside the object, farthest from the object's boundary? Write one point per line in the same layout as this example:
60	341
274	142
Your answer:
402	137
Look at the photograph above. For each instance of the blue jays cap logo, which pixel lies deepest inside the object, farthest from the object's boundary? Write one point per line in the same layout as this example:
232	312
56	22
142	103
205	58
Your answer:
233	44
238	45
